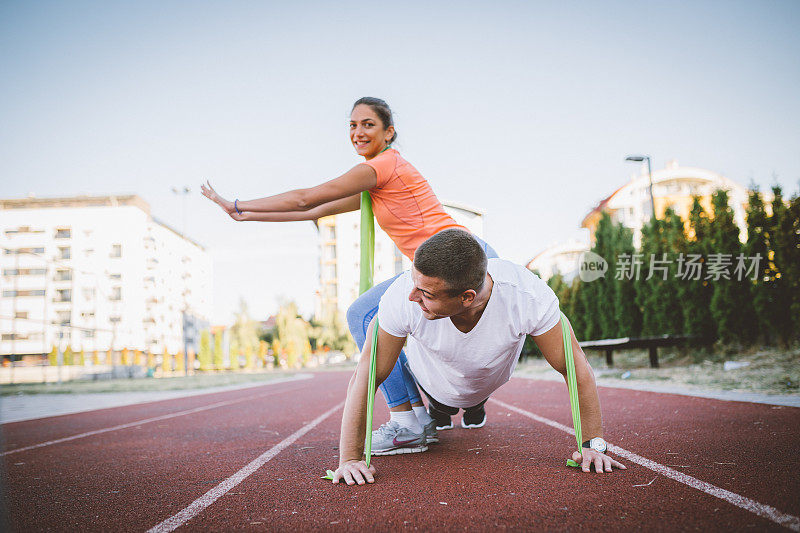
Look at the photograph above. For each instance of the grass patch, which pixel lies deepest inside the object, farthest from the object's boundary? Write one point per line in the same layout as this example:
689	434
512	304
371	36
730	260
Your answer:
768	371
197	381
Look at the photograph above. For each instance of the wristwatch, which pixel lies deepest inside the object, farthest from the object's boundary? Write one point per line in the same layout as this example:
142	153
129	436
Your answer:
597	444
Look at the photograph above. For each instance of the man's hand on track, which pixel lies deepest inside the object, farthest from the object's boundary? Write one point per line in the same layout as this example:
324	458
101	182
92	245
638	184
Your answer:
602	462
353	472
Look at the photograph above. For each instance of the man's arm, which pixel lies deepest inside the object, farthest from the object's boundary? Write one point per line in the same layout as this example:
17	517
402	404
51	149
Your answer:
551	344
352	466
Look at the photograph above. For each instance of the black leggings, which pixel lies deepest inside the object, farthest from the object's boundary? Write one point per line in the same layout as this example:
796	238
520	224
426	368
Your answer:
436	405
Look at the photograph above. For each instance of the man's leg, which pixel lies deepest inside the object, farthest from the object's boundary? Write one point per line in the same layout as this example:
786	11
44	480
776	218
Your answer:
440	412
474	417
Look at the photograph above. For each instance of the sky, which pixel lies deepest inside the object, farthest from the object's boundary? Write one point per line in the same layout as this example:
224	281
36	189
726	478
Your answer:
526	110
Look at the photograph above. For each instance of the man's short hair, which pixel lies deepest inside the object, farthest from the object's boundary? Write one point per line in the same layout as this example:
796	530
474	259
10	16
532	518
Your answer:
453	255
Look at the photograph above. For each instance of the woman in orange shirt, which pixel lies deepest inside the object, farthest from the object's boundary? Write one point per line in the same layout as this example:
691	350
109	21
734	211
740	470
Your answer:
409	212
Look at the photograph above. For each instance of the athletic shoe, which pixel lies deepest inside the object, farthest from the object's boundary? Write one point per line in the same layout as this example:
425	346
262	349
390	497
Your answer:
392	439
474	418
431	436
442	420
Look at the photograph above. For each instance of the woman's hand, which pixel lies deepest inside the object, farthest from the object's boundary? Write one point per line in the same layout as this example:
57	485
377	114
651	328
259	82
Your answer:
209	192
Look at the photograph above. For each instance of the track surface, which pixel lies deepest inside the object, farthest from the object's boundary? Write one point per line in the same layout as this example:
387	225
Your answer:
511	474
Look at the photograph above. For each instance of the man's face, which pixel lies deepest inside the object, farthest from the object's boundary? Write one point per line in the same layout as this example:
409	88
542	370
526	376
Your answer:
432	295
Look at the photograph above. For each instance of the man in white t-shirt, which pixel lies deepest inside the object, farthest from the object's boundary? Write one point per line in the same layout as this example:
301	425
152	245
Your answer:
465	320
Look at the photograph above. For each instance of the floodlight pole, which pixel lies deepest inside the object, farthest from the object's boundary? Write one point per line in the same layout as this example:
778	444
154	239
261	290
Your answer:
639	159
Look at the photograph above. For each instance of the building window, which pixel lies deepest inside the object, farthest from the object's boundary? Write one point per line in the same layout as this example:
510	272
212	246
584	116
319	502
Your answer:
115	319
116	250
24	272
88	334
63	295
63	233
21	314
64	318
18	251
63	275
115	276
116	294
88	314
33	292
64	252
88	293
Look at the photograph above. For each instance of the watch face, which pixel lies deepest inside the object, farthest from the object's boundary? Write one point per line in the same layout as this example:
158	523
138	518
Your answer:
598	444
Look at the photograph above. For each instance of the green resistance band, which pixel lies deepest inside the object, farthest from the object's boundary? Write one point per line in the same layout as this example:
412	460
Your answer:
365	283
572	385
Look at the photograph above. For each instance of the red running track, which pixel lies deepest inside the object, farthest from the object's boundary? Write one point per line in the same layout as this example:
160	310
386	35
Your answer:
714	465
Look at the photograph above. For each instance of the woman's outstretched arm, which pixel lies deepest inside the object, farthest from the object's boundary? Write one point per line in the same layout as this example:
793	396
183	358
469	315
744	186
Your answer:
359	178
345	205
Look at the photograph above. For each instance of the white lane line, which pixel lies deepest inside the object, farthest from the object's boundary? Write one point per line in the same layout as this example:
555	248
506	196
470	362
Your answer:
204	501
140	422
765	511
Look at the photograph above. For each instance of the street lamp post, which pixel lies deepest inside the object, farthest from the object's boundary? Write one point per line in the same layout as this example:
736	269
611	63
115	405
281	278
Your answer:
184	193
639	159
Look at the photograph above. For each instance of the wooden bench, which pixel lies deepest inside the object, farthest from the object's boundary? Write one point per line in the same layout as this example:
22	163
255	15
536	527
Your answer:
651	343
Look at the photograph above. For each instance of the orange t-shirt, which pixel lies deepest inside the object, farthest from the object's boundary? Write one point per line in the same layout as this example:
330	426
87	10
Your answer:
404	203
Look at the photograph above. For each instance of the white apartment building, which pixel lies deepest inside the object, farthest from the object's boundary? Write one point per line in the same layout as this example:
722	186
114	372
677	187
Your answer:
674	187
340	254
97	273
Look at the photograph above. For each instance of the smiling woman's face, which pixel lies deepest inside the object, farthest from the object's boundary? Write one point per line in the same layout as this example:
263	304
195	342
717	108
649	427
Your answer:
367	132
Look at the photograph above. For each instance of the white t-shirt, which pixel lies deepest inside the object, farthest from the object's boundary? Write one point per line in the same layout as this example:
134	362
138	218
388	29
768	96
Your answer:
463	369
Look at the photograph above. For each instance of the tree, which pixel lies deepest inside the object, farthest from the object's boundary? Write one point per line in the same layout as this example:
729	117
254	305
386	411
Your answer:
695	291
244	333
292	332
204	355
235	350
332	332
219	356
792	257
249	361
627	314
783	268
52	357
731	304
758	245
604	289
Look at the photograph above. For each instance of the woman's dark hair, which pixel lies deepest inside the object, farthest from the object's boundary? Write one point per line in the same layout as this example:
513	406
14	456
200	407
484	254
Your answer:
382	109
453	255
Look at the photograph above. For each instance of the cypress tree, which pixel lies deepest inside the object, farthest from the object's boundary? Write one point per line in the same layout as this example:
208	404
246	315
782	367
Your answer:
731	304
657	290
577	309
695	294
674	244
627	312
605	287
784	269
758	245
793	261
646	297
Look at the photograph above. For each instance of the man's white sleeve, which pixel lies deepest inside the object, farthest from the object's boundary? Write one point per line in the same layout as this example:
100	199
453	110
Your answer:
544	312
393	310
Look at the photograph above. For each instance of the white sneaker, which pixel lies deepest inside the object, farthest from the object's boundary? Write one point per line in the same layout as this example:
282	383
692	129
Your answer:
393	439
